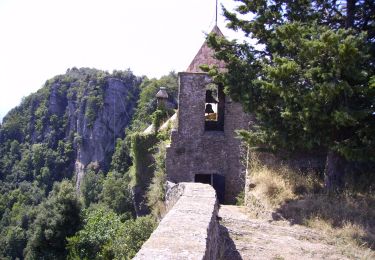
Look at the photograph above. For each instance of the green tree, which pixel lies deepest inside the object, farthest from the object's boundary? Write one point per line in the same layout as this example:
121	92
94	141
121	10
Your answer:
14	242
104	236
121	159
101	225
160	116
116	194
91	187
310	81
57	218
131	236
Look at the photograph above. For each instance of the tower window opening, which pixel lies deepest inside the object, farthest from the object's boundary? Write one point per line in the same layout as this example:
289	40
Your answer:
214	108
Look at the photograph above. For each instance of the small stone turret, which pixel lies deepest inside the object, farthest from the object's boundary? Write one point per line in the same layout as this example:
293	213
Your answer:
162	97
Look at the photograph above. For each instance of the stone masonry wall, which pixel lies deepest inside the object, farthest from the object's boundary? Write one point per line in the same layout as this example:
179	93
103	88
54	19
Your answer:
189	230
196	151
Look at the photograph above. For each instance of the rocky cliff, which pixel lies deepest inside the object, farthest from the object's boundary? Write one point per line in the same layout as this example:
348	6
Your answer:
86	108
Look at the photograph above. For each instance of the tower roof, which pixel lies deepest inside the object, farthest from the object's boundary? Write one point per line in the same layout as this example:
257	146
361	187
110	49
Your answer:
162	93
205	55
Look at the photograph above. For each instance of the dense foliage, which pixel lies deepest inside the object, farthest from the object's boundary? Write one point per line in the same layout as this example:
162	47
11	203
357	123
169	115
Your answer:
42	213
141	152
105	236
310	80
56	219
156	191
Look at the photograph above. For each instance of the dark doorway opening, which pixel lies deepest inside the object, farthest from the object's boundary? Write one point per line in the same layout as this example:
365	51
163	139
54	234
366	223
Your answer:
203	178
217	181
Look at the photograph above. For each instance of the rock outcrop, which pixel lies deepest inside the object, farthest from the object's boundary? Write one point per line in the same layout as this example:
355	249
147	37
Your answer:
86	108
96	138
99	139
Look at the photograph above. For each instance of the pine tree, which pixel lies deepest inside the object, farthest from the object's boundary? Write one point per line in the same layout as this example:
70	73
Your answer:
310	79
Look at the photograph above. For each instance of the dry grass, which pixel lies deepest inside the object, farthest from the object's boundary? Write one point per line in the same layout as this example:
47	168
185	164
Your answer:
348	218
271	188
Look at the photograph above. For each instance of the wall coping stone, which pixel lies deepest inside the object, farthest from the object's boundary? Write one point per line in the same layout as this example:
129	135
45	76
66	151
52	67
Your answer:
190	228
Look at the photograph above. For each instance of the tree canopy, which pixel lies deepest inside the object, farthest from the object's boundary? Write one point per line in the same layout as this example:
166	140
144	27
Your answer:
310	77
40	140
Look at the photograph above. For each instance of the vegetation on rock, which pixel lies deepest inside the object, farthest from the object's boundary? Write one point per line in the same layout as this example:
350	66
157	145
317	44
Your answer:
156	191
48	212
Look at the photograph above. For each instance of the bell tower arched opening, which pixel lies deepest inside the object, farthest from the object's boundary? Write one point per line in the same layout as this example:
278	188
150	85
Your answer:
214	108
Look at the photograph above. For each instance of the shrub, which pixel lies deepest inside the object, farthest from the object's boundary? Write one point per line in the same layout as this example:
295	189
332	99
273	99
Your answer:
104	236
116	194
100	226
131	236
91	187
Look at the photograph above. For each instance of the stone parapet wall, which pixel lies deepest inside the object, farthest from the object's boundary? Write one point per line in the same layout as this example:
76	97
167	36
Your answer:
189	230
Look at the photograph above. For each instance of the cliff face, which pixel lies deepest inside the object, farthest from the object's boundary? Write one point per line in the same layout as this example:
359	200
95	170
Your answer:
87	109
97	137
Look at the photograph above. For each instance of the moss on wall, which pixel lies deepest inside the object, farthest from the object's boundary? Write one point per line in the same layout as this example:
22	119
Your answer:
142	169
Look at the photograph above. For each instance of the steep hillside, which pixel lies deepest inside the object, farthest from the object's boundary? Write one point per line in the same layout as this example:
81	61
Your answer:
66	169
68	127
73	120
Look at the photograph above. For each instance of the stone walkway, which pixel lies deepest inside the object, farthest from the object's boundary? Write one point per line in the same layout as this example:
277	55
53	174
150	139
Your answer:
247	238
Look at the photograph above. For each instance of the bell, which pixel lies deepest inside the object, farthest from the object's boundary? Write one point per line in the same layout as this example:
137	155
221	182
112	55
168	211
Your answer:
209	97
209	109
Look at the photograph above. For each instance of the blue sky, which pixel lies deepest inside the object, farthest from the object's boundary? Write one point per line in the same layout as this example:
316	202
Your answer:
42	38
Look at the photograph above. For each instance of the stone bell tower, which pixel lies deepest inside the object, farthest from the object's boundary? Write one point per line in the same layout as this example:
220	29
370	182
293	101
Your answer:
204	146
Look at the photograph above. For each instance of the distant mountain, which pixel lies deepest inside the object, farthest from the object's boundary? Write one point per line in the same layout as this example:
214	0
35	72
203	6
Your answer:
72	121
